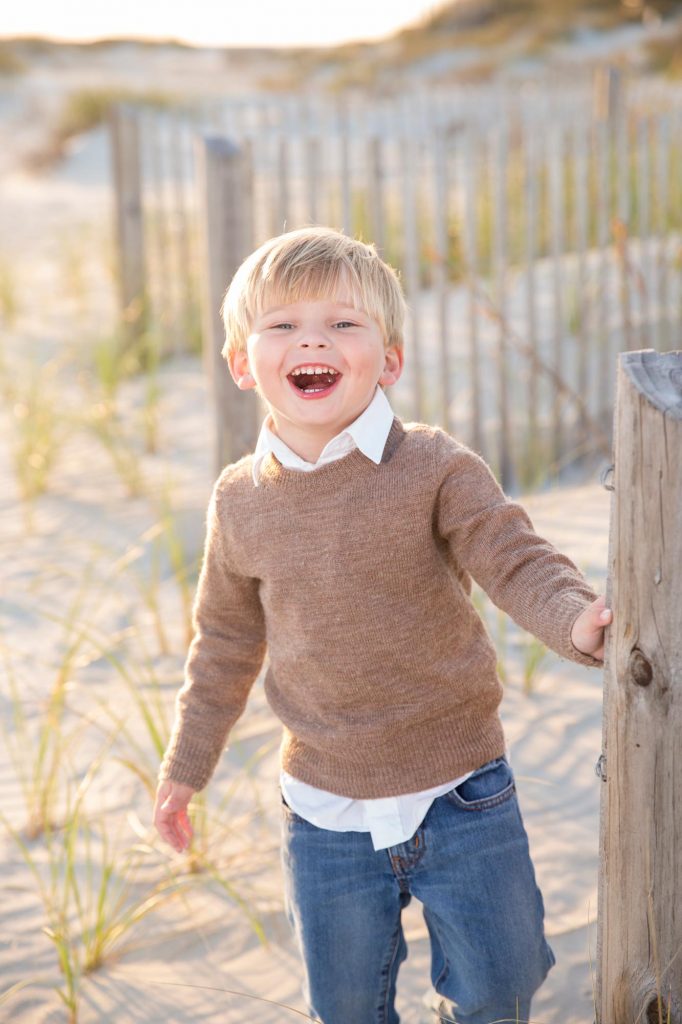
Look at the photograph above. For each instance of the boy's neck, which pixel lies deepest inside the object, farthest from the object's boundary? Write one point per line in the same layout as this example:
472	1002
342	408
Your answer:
307	444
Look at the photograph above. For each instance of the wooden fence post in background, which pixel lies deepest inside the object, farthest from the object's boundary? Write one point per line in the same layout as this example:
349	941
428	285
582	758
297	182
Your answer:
224	202
639	945
127	174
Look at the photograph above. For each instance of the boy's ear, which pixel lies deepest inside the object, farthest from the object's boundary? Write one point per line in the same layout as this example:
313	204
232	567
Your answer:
393	366
238	363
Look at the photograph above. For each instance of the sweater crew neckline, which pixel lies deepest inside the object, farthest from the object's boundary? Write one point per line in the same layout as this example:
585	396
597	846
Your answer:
272	470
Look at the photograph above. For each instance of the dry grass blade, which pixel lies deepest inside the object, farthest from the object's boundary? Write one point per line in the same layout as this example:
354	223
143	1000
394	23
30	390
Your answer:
12	991
233	992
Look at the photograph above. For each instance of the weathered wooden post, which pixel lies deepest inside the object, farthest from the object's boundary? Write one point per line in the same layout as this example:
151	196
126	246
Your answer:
225	211
125	156
639	945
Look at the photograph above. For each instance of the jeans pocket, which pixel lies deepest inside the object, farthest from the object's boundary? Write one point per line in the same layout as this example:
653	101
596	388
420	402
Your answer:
490	785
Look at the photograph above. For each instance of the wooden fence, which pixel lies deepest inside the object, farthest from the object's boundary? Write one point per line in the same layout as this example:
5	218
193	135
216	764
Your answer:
537	234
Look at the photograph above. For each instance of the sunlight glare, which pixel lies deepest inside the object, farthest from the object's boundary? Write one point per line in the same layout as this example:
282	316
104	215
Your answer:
208	23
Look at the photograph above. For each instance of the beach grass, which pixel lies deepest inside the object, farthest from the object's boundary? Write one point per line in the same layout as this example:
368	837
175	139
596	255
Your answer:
116	438
9	299
39	744
98	876
89	891
535	654
39	429
36	760
7	994
185	568
520	656
125	434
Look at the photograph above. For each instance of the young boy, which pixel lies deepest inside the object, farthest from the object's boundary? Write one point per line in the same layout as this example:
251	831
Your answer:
346	545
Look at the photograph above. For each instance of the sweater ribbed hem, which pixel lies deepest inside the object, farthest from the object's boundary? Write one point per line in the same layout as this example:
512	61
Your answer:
453	748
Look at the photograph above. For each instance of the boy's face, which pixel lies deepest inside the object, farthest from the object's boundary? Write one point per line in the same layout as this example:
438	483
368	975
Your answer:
327	334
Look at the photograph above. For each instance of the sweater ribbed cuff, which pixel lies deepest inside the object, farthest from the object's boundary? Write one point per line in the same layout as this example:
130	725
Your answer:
572	651
190	763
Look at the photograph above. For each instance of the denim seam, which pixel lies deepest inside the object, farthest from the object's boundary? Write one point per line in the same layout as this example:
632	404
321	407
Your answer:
387	971
446	963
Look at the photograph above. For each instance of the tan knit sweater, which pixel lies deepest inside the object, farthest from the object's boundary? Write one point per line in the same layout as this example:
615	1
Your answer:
356	577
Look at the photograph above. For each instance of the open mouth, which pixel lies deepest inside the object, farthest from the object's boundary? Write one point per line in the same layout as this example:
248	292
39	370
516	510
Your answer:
314	383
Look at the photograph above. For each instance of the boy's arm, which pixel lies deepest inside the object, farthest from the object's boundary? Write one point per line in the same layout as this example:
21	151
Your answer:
224	659
492	539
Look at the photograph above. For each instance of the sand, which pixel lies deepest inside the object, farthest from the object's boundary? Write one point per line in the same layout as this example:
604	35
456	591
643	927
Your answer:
76	568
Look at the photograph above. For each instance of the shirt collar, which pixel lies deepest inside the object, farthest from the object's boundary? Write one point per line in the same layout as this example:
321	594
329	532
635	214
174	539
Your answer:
368	433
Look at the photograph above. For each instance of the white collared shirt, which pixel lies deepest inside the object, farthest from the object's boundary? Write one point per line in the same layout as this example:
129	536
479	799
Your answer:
368	433
389	820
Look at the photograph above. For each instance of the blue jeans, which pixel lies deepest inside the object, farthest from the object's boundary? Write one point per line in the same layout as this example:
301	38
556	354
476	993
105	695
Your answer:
469	866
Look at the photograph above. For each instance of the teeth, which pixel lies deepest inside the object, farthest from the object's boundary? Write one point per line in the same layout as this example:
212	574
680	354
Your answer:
313	369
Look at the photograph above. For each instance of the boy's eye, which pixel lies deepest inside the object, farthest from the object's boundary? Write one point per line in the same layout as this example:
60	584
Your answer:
285	326
345	323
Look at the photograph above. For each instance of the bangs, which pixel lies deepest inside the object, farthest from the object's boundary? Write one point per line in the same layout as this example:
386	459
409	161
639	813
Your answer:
310	283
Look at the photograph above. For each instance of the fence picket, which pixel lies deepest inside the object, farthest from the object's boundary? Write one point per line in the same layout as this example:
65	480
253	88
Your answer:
312	175
622	224
581	293
555	157
158	224
345	171
602	207
441	283
469	221
661	149
531	199
183	250
411	257
225	221
375	193
130	233
498	152
645	267
283	200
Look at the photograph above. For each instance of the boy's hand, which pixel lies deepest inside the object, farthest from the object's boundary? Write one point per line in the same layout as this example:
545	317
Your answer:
170	814
587	634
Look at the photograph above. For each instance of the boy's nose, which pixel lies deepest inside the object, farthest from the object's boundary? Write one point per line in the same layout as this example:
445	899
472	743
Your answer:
314	339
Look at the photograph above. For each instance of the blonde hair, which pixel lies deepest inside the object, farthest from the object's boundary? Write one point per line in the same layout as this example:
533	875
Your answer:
308	264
